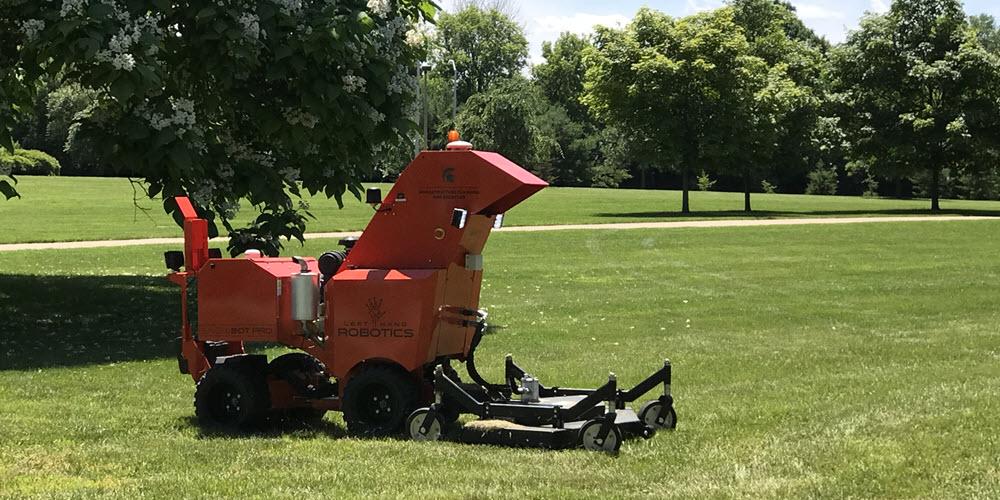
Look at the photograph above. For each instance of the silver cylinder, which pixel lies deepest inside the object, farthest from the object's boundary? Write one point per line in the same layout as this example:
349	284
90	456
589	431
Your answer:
531	390
305	296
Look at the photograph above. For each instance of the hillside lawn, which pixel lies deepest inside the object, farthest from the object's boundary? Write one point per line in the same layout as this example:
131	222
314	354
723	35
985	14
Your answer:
852	361
82	208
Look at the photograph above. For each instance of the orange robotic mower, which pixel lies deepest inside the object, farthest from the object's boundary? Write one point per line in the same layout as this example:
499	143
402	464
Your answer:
376	326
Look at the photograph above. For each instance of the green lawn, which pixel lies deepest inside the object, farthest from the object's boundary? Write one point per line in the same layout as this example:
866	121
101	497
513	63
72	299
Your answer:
75	208
838	362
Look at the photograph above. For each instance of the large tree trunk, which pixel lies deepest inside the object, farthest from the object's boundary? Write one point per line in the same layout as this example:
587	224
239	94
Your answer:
642	177
935	189
685	205
746	192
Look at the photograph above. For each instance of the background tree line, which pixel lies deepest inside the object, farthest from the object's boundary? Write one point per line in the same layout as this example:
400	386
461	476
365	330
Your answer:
745	97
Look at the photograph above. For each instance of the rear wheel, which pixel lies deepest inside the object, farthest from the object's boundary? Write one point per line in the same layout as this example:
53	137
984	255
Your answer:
378	399
230	398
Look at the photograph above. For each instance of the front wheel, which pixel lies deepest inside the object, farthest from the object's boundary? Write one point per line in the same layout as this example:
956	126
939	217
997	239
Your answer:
421	430
590	437
657	416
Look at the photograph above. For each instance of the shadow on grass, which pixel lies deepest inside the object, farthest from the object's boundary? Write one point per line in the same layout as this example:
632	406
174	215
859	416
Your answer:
74	320
269	430
776	214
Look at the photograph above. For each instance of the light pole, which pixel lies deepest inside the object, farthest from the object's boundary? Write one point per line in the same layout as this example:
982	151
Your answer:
454	94
424	68
420	100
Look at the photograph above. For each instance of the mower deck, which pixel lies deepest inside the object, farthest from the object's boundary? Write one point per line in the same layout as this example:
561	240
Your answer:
544	417
507	433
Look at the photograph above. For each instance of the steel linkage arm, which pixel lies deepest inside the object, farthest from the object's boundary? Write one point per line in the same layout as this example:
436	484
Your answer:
515	373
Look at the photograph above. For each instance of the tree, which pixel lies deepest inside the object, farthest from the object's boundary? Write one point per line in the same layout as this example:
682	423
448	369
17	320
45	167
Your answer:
987	31
226	101
776	111
505	119
669	86
579	135
562	74
486	45
920	92
14	94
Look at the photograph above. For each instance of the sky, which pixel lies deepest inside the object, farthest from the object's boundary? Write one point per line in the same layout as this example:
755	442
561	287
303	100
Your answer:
545	20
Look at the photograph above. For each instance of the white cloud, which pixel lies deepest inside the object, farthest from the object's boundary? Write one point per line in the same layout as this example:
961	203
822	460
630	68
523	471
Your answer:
580	23
813	12
550	27
701	5
879	6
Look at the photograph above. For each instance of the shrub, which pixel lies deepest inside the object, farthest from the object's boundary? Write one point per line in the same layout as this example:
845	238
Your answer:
767	187
705	183
823	180
28	162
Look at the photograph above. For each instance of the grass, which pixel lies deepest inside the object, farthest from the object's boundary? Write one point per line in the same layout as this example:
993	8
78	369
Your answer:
80	208
810	361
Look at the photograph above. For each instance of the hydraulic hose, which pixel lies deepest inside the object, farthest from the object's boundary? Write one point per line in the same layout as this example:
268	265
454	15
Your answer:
495	391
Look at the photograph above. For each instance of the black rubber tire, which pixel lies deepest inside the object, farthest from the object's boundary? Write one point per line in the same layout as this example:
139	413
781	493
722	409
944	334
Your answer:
667	417
378	399
611	444
229	398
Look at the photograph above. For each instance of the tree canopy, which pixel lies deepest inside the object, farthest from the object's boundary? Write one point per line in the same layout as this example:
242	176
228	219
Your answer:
919	92
226	101
486	45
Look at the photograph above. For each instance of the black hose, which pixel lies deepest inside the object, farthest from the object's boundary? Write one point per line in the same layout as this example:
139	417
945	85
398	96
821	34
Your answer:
495	391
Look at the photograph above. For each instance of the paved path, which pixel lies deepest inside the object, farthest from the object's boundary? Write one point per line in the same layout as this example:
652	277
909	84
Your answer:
525	229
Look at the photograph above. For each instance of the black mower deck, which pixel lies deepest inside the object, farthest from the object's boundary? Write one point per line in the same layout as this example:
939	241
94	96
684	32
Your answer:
507	433
545	417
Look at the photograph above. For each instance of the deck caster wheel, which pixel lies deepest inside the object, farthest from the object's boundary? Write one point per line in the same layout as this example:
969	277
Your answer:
590	437
422	430
655	415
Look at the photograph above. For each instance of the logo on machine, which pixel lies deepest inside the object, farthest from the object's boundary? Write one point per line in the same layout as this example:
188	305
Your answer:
375	311
448	175
375	327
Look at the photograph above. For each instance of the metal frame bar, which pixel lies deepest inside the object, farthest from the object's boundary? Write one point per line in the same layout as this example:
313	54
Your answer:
514	374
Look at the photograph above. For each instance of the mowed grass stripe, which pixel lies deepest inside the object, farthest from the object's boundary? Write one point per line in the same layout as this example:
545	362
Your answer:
810	361
86	208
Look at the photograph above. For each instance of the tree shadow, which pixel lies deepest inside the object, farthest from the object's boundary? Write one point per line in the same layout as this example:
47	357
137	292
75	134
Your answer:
75	320
777	214
271	429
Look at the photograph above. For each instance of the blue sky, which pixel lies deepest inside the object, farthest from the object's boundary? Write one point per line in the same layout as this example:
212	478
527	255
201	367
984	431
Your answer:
544	20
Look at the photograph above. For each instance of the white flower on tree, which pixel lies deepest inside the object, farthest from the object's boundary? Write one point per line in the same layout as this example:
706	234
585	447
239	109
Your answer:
292	8
31	28
353	84
379	7
300	117
251	26
76	7
183	117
